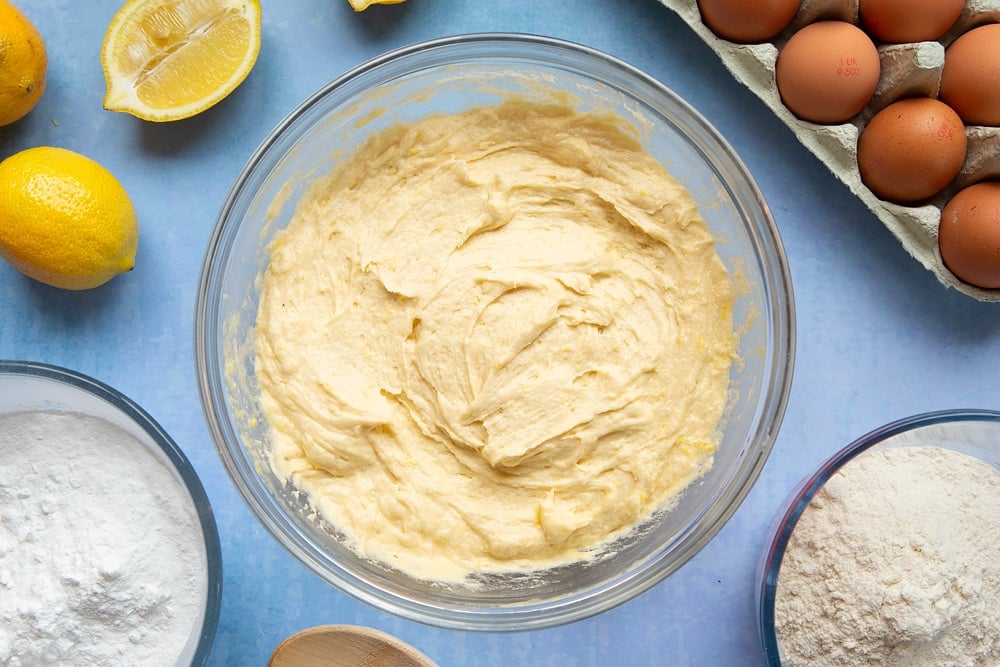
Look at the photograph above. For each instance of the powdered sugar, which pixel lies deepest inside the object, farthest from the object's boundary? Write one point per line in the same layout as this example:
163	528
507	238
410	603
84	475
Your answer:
896	561
102	560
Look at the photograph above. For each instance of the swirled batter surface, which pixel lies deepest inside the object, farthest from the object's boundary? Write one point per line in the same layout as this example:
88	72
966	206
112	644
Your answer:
494	340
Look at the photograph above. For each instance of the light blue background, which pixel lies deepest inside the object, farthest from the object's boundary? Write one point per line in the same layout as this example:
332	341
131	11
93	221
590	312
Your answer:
878	337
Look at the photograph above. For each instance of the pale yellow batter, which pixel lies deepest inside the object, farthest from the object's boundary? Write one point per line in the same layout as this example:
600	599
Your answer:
492	341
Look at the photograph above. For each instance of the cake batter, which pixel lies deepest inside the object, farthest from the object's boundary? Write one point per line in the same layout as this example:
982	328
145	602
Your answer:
494	340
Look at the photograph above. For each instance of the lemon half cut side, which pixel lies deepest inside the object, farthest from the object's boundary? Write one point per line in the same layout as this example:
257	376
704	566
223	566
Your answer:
167	60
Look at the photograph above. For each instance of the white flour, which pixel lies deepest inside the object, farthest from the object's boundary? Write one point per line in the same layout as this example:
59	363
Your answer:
896	562
101	555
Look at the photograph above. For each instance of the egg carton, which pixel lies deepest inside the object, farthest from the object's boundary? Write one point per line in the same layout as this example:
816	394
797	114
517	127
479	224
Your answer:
907	70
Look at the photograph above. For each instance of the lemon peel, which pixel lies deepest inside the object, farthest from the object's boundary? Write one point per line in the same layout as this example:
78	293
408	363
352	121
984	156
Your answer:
65	220
23	64
361	5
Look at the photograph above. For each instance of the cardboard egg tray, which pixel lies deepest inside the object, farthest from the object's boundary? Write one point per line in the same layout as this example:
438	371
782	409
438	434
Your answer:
907	70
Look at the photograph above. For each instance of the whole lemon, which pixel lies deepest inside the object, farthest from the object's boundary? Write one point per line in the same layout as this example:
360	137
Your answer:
23	62
64	219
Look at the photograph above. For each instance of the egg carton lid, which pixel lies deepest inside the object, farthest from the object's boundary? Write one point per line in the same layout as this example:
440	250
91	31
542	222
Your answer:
912	69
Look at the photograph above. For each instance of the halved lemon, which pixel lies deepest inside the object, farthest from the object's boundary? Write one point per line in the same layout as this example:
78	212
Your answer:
166	60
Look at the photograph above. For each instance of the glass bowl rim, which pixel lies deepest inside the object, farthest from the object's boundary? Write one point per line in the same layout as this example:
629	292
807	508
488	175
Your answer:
779	304
798	499
179	462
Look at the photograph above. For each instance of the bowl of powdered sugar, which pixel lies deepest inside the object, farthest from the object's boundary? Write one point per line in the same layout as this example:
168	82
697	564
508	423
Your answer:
109	553
890	553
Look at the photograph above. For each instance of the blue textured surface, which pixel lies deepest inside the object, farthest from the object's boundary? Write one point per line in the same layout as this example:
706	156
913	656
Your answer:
878	337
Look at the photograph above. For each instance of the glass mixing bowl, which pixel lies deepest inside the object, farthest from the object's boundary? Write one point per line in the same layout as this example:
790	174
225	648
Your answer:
972	432
449	75
27	386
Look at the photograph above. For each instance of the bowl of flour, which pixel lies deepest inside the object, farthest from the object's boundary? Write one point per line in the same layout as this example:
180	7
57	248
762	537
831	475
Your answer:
109	552
890	553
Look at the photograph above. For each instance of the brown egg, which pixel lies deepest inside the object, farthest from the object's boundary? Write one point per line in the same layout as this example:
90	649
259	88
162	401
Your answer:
969	235
899	21
970	80
827	72
747	21
911	149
